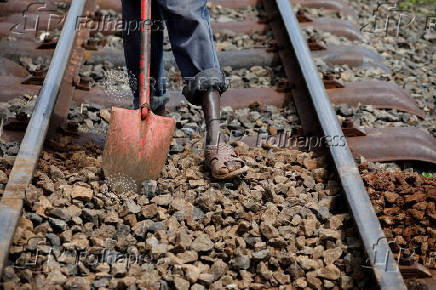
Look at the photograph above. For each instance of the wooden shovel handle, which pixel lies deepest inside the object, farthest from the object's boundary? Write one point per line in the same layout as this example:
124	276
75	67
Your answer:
144	81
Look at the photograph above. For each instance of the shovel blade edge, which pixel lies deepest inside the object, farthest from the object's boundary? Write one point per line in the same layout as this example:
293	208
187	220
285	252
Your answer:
135	149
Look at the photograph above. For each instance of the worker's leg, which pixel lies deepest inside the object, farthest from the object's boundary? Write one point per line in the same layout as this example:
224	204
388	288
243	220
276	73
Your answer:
132	50
188	24
191	40
132	43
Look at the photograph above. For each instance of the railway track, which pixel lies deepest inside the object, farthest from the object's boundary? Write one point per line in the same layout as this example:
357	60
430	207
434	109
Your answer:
286	225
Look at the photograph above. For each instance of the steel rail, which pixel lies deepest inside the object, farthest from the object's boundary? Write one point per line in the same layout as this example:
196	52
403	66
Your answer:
26	161
377	248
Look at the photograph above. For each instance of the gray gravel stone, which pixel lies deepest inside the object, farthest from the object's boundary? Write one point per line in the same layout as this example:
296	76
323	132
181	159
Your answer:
243	262
202	244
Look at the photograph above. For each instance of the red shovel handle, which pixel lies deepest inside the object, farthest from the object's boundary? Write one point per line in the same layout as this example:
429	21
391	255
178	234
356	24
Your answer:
144	81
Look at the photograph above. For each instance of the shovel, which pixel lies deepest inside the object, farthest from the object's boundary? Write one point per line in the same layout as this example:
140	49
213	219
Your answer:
137	141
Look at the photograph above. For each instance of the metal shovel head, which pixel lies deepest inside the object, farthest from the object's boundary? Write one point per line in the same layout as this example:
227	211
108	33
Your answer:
135	149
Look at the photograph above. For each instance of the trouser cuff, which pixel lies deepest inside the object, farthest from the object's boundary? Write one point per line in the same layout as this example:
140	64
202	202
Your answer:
158	101
197	86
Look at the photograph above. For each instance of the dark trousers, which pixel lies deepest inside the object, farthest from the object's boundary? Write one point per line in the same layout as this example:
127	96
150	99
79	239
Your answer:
188	25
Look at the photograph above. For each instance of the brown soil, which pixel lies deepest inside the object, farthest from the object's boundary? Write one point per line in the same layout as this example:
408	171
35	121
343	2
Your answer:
405	205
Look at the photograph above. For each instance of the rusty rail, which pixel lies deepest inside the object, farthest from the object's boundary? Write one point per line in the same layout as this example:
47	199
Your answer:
21	175
310	97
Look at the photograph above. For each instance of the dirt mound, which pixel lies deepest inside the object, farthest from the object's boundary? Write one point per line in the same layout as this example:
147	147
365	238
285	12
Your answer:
405	205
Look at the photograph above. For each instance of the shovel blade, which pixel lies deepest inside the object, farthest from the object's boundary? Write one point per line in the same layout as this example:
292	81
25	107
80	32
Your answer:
136	149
